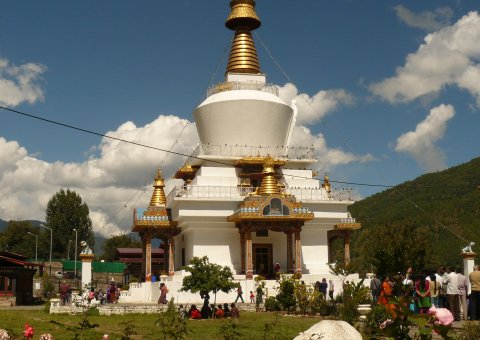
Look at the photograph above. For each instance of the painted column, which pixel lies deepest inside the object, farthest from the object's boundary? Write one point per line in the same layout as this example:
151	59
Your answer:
347	247
144	255
87	260
148	257
242	251
248	243
171	256
298	252
468	264
289	252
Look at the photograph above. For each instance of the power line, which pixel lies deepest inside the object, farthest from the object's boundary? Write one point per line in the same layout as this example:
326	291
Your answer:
197	157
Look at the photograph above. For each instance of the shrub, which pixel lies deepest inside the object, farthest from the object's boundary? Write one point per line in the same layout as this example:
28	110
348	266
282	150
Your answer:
272	304
375	318
286	293
229	330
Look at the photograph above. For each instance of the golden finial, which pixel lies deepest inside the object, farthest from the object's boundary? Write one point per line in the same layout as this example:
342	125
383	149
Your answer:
158	196
269	184
243	55
326	184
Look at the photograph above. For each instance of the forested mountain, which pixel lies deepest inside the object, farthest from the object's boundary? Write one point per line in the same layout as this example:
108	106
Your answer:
421	223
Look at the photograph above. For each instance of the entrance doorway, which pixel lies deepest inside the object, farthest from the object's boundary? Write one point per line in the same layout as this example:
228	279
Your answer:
262	259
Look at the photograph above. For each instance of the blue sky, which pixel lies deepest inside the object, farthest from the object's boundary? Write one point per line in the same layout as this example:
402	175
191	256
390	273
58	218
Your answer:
379	107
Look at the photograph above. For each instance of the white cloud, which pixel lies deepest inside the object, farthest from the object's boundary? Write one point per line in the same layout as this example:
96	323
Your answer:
313	109
327	157
113	182
20	84
420	144
449	56
428	20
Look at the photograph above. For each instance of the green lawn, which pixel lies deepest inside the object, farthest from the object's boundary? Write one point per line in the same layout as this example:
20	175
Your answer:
250	325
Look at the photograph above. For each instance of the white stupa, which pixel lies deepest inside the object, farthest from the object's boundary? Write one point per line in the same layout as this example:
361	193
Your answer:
248	200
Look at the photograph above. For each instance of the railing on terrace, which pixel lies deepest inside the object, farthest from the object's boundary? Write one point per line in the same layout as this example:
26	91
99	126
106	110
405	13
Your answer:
207	191
242	85
301	194
318	194
292	152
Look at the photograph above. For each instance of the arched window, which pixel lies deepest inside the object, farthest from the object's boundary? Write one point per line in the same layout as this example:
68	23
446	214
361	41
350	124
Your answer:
276	208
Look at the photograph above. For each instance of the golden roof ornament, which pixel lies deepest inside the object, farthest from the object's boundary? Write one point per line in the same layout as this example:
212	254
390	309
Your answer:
269	184
243	54
158	196
326	184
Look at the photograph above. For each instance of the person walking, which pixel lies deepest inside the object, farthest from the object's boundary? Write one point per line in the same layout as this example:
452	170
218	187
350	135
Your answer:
462	292
239	294
474	278
163	294
375	285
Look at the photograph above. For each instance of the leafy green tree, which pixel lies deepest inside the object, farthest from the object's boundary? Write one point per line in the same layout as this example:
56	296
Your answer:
120	241
15	238
395	247
206	277
65	212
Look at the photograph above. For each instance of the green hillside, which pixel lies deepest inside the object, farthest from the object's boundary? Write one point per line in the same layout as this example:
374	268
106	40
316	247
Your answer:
416	223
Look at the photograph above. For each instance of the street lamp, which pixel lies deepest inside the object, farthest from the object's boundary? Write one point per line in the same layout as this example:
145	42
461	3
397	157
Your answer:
68	250
76	241
36	245
41	225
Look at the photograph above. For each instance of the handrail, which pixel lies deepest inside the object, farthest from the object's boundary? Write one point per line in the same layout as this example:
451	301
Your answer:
242	85
301	194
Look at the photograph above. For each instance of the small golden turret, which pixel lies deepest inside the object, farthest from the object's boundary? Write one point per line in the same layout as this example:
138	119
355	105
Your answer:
158	196
326	184
243	55
269	181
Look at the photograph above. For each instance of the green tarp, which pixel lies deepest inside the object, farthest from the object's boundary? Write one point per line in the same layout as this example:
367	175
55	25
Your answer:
98	267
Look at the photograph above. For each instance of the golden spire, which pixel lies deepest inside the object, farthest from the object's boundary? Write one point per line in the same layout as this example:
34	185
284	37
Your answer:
243	55
158	196
269	182
326	184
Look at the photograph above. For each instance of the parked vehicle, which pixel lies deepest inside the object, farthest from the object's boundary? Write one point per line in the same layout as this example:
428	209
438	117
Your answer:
59	275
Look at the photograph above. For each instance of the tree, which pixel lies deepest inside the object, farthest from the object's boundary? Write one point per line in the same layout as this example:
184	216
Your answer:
206	277
15	238
65	212
395	247
120	241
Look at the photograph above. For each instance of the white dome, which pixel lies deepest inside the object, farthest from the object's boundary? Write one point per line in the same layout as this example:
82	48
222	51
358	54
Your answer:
244	117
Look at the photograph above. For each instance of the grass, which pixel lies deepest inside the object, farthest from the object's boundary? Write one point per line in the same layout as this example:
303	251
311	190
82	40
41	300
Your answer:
251	325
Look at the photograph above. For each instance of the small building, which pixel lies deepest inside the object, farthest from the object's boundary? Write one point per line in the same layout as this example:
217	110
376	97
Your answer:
133	260
16	278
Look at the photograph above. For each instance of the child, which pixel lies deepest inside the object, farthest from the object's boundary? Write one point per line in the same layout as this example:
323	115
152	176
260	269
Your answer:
252	297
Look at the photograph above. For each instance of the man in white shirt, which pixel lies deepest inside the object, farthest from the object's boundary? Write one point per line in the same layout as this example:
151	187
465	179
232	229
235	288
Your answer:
451	280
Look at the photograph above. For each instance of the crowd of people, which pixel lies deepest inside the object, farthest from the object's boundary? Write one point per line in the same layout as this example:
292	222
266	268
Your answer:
111	295
447	287
210	311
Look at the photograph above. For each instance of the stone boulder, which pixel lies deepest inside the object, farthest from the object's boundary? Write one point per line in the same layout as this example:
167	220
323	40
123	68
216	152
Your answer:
330	329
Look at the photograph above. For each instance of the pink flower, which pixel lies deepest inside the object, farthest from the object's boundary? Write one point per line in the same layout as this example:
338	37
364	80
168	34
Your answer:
28	333
105	337
443	315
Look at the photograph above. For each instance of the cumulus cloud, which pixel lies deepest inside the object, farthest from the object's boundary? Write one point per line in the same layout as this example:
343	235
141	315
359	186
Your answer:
447	57
312	109
428	20
112	182
327	157
21	83
420	144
